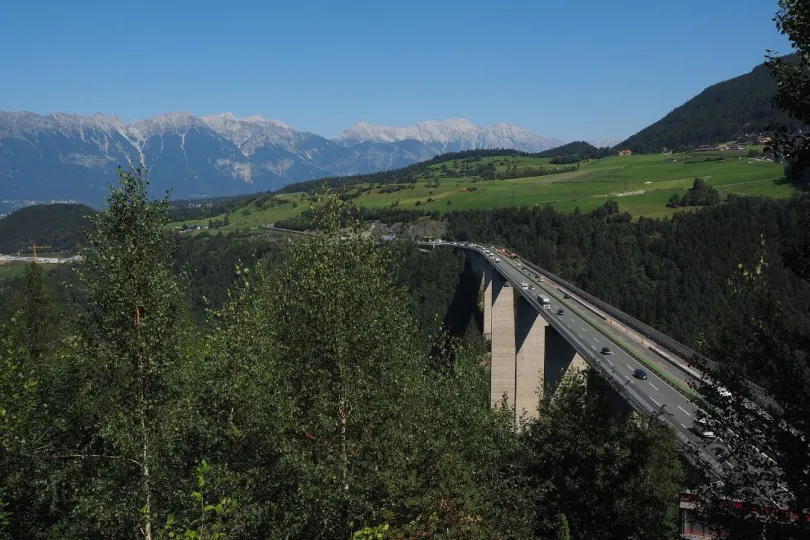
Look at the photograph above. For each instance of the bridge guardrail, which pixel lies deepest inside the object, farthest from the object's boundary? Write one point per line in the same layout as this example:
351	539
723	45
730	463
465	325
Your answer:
647	331
692	451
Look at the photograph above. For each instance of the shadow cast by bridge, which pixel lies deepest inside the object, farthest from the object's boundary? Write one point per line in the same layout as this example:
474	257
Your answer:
464	318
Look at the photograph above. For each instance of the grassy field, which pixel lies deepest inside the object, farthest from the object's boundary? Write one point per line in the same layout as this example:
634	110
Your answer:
12	269
641	185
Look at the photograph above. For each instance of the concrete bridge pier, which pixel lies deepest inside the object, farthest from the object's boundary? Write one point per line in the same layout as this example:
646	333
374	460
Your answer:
502	369
481	266
486	282
530	339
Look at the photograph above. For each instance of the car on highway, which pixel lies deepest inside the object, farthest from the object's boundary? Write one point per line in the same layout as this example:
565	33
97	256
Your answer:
497	259
525	285
640	374
531	287
566	296
541	279
560	311
606	350
702	428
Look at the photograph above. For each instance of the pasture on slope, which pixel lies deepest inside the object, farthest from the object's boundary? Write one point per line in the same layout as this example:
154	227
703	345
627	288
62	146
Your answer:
641	184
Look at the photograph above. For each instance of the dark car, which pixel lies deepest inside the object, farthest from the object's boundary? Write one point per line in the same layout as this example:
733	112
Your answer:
640	374
606	350
560	312
566	296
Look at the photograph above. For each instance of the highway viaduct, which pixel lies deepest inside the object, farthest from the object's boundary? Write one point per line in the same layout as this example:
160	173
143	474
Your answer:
532	346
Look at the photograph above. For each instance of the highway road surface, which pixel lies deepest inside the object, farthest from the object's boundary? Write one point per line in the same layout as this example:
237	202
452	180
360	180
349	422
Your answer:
659	397
590	333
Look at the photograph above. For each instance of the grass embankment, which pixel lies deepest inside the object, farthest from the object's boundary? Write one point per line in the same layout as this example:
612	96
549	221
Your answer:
641	184
13	269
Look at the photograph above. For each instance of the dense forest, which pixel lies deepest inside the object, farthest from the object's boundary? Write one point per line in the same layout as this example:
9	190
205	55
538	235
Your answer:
315	399
228	291
671	273
722	112
54	227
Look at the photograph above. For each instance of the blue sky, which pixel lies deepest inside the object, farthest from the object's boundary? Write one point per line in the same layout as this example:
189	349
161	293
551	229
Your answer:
567	68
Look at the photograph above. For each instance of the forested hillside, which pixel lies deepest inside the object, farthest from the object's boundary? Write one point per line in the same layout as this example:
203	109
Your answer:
55	227
671	273
314	400
722	112
580	149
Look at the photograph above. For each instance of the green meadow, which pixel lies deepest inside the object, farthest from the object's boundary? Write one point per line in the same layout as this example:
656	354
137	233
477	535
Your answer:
642	185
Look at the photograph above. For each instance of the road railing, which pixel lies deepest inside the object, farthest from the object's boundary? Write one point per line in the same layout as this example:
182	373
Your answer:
655	336
699	456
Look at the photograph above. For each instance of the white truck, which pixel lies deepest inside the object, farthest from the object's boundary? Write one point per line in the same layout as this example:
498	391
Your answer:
544	301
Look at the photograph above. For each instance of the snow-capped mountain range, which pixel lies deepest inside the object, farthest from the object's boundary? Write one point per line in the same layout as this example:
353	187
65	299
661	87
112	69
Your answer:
71	156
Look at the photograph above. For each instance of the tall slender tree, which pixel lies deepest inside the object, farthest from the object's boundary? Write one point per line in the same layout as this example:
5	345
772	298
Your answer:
127	346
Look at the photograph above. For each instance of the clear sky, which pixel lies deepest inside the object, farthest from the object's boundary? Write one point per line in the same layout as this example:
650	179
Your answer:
571	69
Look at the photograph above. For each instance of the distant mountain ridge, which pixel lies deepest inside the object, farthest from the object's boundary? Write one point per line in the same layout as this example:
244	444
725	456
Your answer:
453	135
720	113
67	156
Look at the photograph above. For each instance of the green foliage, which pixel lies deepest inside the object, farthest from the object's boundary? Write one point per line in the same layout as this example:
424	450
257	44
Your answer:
322	391
405	175
792	77
699	194
600	471
56	227
669	273
126	349
579	148
563	531
764	344
371	533
211	521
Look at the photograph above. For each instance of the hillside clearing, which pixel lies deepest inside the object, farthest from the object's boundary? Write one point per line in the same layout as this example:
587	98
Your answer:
642	184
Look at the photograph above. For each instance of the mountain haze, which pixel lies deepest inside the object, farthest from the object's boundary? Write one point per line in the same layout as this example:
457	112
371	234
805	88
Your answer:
72	157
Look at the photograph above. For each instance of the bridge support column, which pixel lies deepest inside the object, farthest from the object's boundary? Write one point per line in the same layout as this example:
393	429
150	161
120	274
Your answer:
502	370
577	365
561	359
486	281
530	337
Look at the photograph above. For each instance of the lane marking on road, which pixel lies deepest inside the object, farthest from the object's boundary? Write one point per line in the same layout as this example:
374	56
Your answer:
684	410
572	320
611	363
592	347
783	487
628	378
583	328
729	464
653	400
597	339
579	335
628	366
683	426
656	389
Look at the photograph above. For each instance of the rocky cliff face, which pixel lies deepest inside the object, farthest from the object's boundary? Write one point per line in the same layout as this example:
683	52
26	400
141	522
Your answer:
71	157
